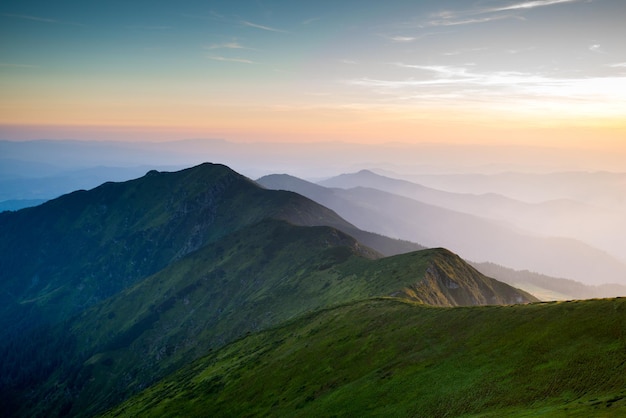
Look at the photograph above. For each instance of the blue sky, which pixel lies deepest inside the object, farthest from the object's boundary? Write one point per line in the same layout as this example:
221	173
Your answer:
344	70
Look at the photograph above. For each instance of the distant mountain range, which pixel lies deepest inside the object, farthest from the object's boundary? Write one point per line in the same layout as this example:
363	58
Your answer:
370	201
545	198
587	206
200	292
108	290
23	180
595	186
549	288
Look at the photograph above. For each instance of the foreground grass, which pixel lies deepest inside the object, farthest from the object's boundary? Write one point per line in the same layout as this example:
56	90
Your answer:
385	357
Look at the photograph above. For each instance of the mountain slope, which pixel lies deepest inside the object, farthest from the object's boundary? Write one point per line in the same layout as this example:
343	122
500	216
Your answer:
63	256
250	280
546	287
489	204
109	289
594	217
599	187
396	215
475	238
384	357
584	205
19	204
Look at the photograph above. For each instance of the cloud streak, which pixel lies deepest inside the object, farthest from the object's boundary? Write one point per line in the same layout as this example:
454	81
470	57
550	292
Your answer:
530	5
469	21
226	59
468	17
227	45
457	86
39	19
311	20
262	27
409	38
402	38
12	65
596	48
143	27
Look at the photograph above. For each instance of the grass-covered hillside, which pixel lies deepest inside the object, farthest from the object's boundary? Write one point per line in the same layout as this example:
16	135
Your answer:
392	358
256	278
67	254
105	292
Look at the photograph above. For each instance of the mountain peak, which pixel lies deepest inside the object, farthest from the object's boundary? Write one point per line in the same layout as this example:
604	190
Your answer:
366	171
127	230
129	280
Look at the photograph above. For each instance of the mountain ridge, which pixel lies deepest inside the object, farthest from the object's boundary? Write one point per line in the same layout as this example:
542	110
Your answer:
589	215
475	238
236	286
125	231
110	289
422	361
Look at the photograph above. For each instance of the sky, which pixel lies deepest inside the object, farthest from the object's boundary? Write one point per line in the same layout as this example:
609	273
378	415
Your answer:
530	72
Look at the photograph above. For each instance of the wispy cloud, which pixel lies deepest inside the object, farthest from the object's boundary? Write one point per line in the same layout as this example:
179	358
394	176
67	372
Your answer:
472	16
460	85
411	38
149	27
463	51
596	48
257	26
12	65
227	45
226	59
311	20
469	21
462	77
402	38
618	65
347	61
214	16
40	19
211	16
441	70
530	5
28	17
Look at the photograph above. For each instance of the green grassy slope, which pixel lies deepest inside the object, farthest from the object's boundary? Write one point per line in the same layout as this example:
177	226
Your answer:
250	280
67	254
70	252
189	261
386	357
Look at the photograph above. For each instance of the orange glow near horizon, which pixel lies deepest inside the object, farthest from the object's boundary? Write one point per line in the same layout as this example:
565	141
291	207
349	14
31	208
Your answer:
159	122
499	77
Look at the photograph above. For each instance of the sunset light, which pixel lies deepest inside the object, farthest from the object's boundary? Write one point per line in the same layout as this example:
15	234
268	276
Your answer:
346	208
367	72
